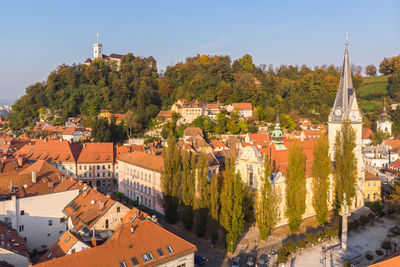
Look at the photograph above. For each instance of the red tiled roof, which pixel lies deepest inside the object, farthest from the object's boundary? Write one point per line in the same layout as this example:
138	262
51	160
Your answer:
388	263
54	150
48	180
63	245
216	143
394	143
12	241
144	160
305	121
259	139
192	131
88	207
96	152
129	241
366	133
242	106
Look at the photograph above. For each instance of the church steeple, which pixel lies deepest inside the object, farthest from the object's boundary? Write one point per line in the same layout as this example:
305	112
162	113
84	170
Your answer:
277	134
345	105
384	115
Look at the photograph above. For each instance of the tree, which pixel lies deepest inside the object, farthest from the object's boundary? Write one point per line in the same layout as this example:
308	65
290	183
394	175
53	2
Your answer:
394	85
214	189
202	198
221	123
345	164
378	137
370	70
232	217
295	186
267	201
386	245
171	179
131	123
320	183
395	192
188	183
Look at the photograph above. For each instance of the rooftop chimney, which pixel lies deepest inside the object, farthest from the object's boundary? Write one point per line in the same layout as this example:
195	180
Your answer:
34	178
108	196
132	229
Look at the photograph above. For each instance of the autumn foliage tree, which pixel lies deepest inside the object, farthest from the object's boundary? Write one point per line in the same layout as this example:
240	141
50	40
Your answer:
171	180
320	173
295	186
345	164
267	202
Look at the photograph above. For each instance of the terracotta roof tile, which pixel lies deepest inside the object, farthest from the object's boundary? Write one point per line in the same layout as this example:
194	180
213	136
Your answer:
144	160
366	133
54	150
129	241
10	240
242	106
96	152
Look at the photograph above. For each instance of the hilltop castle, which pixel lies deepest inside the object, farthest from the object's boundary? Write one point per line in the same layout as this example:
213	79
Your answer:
98	53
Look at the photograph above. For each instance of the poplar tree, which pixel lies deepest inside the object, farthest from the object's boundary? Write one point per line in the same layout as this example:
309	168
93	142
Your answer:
188	178
171	180
232	217
267	202
345	164
201	203
214	190
320	181
295	186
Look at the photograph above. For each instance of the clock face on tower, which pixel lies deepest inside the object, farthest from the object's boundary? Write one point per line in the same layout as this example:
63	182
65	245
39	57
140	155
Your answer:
338	112
353	116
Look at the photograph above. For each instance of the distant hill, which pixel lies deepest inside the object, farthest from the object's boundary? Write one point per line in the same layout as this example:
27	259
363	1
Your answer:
374	84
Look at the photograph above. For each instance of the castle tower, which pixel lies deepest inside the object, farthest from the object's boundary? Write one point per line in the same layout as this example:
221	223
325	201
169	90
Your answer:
384	125
345	107
97	48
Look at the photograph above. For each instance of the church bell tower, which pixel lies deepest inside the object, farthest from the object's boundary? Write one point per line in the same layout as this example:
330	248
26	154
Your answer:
345	107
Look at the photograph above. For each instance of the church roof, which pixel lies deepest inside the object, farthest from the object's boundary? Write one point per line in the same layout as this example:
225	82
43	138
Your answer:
346	97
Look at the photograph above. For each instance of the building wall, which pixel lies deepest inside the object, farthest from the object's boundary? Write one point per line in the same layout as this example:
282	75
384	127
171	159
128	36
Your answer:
13	258
191	113
113	216
249	162
68	168
38	213
140	184
384	126
99	174
372	190
182	261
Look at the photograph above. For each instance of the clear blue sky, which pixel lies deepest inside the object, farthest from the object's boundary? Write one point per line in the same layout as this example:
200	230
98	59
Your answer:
37	36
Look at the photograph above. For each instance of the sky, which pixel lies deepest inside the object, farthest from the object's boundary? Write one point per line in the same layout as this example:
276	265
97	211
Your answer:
38	36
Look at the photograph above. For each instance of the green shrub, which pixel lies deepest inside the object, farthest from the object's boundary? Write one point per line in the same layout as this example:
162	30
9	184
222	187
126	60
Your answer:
311	238
379	252
321	234
290	246
331	231
301	243
283	255
369	257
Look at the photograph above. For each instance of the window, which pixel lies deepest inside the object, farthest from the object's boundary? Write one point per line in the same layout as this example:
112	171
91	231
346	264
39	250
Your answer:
98	167
122	264
62	220
21	228
149	203
68	239
48	235
182	265
73	250
106	224
109	174
22	212
149	190
50	222
84	167
109	166
50	254
118	209
104	167
147	257
134	261
160	252
104	174
169	248
80	167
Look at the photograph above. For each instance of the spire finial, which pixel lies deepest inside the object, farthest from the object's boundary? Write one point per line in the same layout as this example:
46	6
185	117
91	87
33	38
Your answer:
96	37
277	116
347	40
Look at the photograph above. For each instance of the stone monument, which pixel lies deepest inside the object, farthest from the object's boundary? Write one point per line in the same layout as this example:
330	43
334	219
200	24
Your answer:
344	213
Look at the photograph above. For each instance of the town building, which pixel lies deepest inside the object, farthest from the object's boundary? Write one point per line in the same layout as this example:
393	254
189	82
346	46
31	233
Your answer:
32	202
384	124
106	114
136	243
98	54
139	178
346	108
13	251
68	243
372	189
191	111
60	153
96	166
74	121
245	110
212	109
366	136
93	213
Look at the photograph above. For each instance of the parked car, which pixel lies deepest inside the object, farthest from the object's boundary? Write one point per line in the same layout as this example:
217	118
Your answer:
199	260
262	261
236	262
250	261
